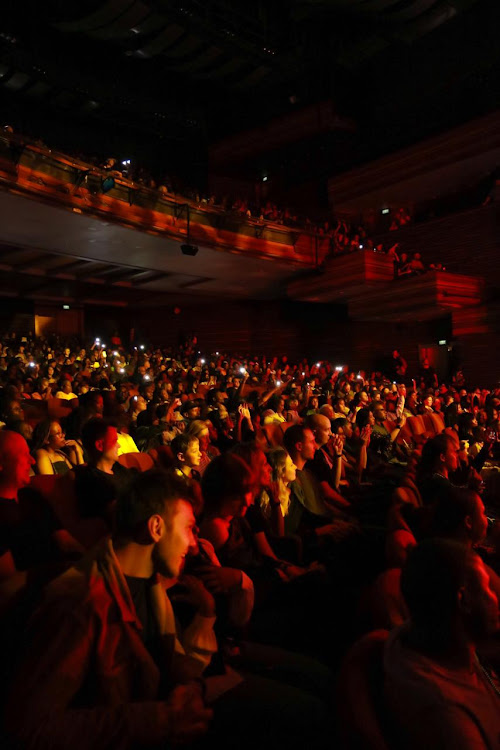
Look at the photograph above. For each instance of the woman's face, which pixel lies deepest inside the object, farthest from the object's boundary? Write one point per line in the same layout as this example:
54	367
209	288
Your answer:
56	439
140	404
204	439
289	471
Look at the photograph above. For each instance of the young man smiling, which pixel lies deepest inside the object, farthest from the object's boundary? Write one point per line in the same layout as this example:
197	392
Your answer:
104	666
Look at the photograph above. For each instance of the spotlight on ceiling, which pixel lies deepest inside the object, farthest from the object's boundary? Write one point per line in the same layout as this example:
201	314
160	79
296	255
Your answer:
189	249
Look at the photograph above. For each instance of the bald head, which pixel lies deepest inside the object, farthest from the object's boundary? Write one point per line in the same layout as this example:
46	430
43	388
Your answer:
10	443
15	463
327	411
321	427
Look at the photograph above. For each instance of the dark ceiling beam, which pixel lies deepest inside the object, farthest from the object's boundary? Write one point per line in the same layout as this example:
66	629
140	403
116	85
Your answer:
76	265
31	263
151	276
13	254
196	282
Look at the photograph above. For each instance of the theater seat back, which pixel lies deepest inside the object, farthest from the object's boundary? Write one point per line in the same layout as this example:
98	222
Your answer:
59	494
162	456
139	461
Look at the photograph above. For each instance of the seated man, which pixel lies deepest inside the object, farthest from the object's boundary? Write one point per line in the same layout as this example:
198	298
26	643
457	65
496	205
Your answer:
104	666
98	483
28	527
382	443
354	447
326	466
438	692
309	515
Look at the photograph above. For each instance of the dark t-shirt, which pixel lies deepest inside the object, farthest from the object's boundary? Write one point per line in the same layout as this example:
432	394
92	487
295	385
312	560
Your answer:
140	590
96	490
323	467
27	528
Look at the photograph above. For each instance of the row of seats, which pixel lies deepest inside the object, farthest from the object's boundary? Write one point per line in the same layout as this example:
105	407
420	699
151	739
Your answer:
53	408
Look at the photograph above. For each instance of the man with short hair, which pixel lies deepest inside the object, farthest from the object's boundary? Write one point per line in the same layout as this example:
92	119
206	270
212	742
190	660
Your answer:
104	667
98	483
308	510
28	527
190	411
438	692
326	466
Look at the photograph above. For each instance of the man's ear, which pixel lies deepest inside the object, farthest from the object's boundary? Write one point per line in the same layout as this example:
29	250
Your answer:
156	527
468	523
99	445
180	458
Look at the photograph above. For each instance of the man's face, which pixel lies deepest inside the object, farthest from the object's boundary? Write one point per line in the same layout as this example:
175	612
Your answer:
15	460
450	457
14	411
323	431
264	470
308	446
363	397
380	415
347	430
140	404
479	522
178	536
193	413
481	603
110	445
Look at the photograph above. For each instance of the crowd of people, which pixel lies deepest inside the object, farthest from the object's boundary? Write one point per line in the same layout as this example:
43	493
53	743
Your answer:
278	512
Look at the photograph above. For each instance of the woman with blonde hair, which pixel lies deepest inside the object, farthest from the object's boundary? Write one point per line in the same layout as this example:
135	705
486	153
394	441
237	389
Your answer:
276	503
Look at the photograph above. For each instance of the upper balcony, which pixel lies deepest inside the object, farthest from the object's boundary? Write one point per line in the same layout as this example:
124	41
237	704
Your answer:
35	171
365	281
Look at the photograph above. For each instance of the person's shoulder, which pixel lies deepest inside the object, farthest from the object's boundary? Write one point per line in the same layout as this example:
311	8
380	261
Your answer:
81	587
216	531
122	471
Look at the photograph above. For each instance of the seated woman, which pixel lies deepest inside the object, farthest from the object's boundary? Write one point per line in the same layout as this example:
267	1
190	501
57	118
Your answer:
43	391
66	391
54	454
275	504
